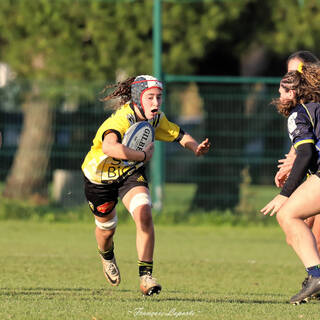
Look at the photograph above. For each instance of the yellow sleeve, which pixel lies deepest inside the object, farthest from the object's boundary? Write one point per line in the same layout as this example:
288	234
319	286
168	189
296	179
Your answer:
166	130
116	122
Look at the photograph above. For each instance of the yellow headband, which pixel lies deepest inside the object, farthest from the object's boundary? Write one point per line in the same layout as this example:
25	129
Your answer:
299	69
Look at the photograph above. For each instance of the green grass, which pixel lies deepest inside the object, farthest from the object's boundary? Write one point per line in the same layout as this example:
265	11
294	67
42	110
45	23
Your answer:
179	196
176	208
52	271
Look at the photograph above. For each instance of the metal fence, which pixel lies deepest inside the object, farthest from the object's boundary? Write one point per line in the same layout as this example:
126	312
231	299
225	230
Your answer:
245	130
234	113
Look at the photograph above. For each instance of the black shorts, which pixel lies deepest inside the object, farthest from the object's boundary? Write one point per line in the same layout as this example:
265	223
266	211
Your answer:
103	198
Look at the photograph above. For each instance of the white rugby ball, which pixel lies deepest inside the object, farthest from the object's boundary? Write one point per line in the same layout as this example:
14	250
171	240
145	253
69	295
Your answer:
139	136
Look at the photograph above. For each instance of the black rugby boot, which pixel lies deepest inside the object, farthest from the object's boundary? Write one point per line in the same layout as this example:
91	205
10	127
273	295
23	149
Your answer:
310	289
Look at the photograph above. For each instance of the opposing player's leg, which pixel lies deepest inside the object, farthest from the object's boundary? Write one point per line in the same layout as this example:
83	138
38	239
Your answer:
137	201
302	204
316	230
316	233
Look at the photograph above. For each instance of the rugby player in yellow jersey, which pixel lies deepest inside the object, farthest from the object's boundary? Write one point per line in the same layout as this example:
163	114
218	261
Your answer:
108	175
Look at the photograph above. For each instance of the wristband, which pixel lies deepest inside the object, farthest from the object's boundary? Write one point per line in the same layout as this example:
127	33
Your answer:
145	156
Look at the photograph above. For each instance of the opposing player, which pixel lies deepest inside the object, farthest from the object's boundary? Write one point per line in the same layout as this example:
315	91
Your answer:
300	102
107	178
293	61
285	165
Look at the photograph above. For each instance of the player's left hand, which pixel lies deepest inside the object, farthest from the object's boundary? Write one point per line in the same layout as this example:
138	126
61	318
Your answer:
274	205
281	178
285	166
203	147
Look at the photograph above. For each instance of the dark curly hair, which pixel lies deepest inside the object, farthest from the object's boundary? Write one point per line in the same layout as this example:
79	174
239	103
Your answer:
304	56
122	91
306	85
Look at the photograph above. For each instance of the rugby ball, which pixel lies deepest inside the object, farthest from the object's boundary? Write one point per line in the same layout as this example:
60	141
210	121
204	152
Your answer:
139	136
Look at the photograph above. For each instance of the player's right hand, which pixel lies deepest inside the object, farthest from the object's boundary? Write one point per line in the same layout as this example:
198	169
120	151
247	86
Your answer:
274	205
285	167
203	147
149	152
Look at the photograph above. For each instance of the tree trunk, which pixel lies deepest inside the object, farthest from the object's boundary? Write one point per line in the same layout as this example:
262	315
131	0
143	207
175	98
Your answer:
28	175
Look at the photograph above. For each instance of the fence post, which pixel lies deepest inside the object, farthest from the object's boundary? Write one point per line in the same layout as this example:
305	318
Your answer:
157	163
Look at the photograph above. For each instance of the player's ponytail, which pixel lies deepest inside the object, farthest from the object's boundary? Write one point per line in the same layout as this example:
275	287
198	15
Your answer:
122	91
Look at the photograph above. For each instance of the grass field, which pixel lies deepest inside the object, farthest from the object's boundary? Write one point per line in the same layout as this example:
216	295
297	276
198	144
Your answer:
176	208
52	271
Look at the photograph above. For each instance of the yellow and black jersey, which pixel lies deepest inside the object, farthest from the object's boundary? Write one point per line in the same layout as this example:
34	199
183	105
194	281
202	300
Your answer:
98	167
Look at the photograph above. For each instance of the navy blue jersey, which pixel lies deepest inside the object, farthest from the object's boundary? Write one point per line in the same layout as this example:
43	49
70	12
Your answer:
304	127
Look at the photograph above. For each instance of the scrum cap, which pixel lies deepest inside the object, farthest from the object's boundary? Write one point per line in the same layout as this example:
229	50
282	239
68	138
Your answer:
139	86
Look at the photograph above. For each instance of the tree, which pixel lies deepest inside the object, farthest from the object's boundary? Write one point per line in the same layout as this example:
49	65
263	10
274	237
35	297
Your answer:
67	41
261	31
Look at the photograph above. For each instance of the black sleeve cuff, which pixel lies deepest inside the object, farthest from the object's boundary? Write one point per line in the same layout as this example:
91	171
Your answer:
114	131
180	136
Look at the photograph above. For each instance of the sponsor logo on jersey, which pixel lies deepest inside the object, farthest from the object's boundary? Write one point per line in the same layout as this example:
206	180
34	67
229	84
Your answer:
103	208
292	122
131	118
141	179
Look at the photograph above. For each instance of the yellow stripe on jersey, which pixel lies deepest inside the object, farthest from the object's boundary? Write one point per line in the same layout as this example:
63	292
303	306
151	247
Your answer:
296	145
98	167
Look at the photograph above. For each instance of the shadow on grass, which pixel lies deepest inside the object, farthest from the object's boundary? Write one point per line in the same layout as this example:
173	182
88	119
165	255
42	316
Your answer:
249	298
227	300
56	291
175	296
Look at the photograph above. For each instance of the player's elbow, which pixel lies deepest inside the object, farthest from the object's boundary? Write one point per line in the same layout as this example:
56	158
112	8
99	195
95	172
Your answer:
109	149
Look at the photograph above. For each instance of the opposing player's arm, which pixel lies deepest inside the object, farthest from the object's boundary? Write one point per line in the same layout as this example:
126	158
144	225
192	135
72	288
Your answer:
305	153
113	148
304	156
285	166
190	143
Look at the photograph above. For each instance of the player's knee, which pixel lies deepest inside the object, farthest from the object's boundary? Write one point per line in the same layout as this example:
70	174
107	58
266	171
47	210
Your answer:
279	218
285	223
108	225
143	218
140	200
282	218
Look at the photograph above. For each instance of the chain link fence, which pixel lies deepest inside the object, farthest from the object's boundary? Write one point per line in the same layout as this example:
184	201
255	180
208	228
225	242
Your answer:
245	130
